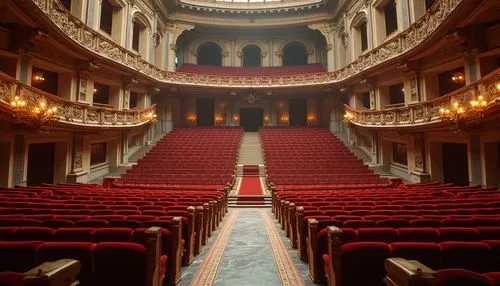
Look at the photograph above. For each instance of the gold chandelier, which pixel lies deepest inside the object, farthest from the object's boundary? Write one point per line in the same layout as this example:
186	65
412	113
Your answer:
151	116
38	114
461	114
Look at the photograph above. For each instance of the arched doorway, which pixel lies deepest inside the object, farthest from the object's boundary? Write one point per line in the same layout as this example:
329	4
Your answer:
294	54
252	56
209	54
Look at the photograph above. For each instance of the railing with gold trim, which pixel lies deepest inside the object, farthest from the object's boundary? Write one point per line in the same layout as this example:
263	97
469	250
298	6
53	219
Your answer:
70	112
101	46
430	112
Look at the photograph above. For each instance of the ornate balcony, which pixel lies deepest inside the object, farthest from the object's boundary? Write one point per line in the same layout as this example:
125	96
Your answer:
467	105
36	108
389	52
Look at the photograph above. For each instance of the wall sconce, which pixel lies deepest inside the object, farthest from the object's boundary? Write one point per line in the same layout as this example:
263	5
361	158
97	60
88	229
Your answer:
219	119
497	85
311	118
236	117
284	118
95	90
266	118
38	78
458	78
191	118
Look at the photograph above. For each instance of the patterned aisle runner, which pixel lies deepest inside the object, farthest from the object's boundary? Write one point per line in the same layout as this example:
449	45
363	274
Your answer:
248	251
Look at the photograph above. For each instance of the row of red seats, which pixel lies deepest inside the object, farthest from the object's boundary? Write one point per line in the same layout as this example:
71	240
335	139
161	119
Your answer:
102	264
215	145
344	270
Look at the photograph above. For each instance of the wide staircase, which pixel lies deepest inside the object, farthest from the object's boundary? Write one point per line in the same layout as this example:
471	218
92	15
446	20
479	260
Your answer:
249	191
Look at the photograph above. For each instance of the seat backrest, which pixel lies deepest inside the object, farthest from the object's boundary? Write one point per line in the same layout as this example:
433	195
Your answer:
461	277
359	223
377	234
474	256
418	234
427	253
82	234
425	223
363	263
110	234
18	256
120	263
458	234
33	233
56	223
394	223
81	251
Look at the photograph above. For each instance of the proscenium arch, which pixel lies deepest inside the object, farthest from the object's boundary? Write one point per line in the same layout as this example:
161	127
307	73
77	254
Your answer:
294	53
209	54
251	56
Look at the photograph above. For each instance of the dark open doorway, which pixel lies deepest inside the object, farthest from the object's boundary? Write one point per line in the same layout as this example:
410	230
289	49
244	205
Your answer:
251	119
41	164
298	111
455	164
205	111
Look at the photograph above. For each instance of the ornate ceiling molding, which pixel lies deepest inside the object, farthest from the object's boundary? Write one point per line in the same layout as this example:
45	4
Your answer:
102	47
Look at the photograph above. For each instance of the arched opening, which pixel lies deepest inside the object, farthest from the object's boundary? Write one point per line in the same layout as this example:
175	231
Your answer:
209	54
252	56
294	54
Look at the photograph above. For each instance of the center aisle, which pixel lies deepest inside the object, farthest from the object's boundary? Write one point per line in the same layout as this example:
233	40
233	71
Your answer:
248	250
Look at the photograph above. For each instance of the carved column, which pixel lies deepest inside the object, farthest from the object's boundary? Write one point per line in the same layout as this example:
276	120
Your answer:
76	158
419	173
326	30
174	30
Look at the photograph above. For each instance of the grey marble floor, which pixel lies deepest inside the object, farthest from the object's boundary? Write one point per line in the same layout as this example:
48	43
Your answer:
248	257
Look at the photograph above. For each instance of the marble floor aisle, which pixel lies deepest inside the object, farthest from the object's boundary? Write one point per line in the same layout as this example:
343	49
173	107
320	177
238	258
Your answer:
249	248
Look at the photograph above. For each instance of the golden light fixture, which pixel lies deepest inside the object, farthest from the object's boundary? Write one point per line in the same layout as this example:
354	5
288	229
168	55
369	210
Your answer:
236	117
151	116
38	78
38	114
348	118
458	77
191	118
311	118
219	118
497	85
460	114
266	118
284	118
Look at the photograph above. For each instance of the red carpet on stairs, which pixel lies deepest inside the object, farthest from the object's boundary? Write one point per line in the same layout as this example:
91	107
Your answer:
250	192
250	186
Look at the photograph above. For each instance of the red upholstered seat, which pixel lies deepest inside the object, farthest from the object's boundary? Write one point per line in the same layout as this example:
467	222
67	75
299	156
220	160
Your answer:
491	233
92	223
475	256
120	263
359	223
18	256
112	234
386	235
415	234
125	223
20	222
81	251
395	223
32	233
11	279
461	277
74	234
495	250
363	263
458	234
427	253
6	233
56	223
425	223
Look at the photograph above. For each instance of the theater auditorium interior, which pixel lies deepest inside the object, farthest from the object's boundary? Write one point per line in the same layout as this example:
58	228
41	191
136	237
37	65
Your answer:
249	142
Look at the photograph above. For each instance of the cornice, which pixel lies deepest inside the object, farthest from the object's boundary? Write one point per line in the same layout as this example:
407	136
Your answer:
86	38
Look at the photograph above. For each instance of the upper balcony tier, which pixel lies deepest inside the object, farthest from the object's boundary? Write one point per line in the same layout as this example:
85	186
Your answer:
463	109
252	71
250	6
61	24
27	105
